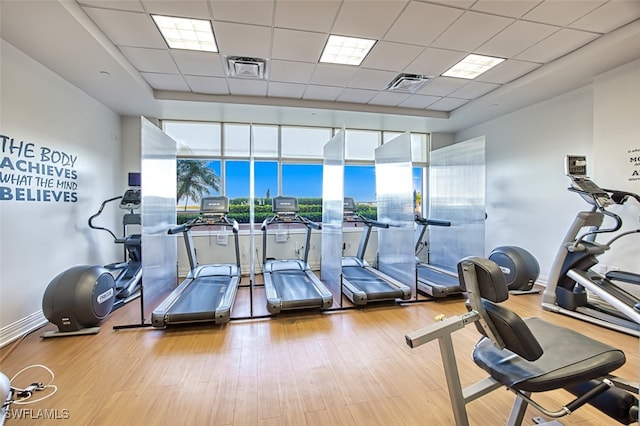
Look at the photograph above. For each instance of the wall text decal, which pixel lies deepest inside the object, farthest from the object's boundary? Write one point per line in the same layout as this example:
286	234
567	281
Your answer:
29	172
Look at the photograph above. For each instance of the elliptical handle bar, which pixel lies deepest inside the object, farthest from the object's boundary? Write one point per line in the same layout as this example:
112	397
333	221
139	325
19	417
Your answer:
620	197
91	225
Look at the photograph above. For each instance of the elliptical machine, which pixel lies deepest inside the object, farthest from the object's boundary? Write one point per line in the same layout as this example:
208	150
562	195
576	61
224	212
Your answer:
77	299
574	288
128	273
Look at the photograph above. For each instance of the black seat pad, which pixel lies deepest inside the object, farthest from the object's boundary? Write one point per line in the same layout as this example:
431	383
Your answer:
568	357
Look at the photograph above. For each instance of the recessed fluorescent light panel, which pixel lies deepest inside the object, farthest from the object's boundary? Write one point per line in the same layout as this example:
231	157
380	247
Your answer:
346	50
185	33
472	66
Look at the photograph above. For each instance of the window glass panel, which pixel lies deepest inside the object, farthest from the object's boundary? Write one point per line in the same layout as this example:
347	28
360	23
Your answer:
266	174
418	190
237	186
236	140
304	142
361	144
304	181
360	183
419	147
265	142
387	136
196	179
195	139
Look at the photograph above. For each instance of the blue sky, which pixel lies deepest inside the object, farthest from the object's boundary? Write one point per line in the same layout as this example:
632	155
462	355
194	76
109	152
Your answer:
298	180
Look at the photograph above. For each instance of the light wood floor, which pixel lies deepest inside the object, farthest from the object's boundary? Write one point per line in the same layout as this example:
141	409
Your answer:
343	368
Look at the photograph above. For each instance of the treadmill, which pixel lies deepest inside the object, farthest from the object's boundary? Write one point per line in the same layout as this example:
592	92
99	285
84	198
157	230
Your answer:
208	292
431	280
290	283
360	282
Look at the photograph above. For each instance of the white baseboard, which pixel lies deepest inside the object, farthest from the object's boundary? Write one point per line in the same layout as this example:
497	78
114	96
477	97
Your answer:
21	327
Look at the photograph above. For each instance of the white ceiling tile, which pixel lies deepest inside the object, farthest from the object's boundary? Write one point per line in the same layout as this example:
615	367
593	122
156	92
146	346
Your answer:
389	98
367	18
609	17
127	28
461	4
358	96
288	71
470	31
512	9
150	60
372	79
308	15
166	81
448	104
322	93
258	12
473	90
243	40
442	86
506	71
207	85
515	38
246	87
132	5
562	12
422	23
390	56
556	45
183	9
294	45
418	101
286	90
333	75
198	63
434	62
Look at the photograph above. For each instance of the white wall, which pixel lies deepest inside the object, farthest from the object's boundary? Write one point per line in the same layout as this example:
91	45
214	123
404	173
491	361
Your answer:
616	159
39	239
527	201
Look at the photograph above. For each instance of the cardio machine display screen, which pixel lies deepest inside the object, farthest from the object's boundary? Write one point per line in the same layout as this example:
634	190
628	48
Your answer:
575	165
217	205
286	205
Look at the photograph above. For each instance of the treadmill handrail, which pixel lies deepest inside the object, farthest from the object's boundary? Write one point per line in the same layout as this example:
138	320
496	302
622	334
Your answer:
431	222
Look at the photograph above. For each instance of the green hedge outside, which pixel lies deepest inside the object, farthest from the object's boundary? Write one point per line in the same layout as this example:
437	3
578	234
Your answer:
310	208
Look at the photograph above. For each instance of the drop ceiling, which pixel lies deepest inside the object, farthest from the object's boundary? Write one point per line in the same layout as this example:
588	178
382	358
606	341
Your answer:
113	51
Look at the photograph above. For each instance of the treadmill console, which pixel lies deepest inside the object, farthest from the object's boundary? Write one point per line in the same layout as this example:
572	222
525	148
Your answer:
349	205
285	205
576	168
214	205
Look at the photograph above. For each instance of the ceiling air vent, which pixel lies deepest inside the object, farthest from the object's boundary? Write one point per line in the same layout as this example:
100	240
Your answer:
407	83
243	67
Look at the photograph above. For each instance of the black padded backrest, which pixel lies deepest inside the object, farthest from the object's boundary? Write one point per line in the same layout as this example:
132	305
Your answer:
486	286
490	280
515	333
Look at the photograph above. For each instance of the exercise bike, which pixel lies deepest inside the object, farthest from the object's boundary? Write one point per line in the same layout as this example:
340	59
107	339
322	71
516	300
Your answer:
574	288
77	299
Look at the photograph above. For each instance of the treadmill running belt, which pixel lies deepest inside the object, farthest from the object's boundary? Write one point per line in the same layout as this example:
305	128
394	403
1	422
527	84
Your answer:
201	298
374	286
437	278
295	286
